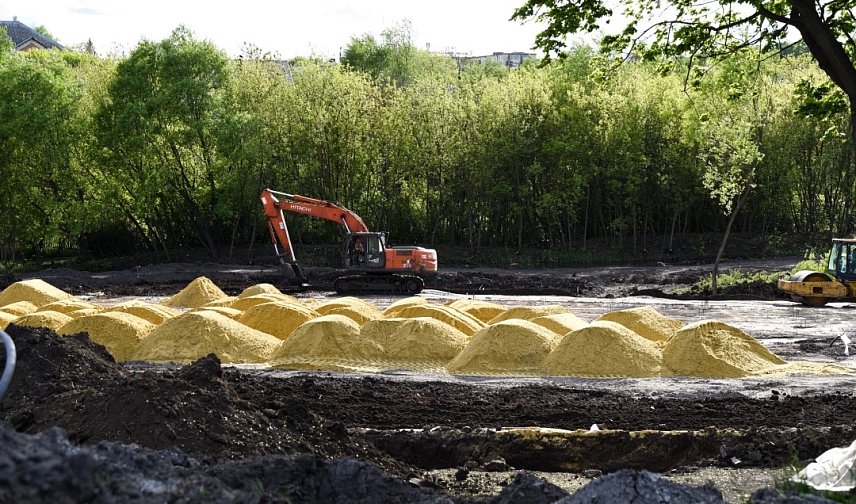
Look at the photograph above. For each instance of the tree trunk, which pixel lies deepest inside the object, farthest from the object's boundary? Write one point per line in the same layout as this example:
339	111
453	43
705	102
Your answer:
740	200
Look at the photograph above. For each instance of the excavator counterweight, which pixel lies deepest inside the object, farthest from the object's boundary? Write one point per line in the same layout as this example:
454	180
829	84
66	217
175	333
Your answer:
370	265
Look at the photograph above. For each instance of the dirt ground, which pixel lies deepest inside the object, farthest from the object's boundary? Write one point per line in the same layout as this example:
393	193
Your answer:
437	436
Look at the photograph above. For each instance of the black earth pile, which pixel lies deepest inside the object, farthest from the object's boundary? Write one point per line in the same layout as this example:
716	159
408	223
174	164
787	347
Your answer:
74	383
241	436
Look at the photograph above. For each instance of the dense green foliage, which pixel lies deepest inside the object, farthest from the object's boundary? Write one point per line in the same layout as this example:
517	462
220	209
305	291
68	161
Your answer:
170	146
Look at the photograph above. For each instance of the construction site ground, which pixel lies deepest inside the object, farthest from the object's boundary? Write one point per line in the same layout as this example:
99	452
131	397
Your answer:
437	434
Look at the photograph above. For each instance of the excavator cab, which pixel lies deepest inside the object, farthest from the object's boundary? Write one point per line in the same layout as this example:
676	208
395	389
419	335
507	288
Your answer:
365	251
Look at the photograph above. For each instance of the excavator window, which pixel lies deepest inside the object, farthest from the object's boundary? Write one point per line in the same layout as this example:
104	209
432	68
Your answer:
374	253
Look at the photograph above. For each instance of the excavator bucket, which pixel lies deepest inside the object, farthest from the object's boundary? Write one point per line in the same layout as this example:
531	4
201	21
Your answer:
295	277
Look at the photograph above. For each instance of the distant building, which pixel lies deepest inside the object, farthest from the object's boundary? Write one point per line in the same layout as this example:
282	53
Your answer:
26	38
511	60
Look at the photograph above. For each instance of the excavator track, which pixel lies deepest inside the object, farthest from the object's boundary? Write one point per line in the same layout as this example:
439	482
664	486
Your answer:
374	284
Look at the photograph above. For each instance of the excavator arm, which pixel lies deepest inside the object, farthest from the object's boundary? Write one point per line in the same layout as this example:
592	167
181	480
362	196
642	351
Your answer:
275	203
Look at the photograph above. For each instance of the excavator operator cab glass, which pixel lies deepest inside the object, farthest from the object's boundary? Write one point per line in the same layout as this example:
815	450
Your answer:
365	250
374	251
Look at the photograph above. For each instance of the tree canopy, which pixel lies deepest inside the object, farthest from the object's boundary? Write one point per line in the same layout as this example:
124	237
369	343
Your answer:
167	148
705	31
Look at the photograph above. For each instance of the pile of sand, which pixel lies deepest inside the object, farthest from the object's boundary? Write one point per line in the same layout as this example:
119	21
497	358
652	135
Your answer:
197	293
381	330
222	310
222	302
35	291
262	288
245	303
461	321
604	348
425	340
71	307
155	314
359	314
393	309
507	347
84	312
344	302
713	349
279	318
324	341
482	310
528	313
645	321
192	335
21	308
50	319
120	332
6	319
561	323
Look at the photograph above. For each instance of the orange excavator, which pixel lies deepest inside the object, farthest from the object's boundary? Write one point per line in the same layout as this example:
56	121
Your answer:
370	265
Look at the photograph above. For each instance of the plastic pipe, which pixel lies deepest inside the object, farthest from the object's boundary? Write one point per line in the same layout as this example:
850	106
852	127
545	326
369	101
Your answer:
9	368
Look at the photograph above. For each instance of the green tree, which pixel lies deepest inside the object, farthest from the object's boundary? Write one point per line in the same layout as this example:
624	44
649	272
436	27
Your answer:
158	130
6	44
41	158
396	58
44	31
701	30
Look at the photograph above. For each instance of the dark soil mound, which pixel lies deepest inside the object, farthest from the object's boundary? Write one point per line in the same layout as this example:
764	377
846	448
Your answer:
73	383
47	468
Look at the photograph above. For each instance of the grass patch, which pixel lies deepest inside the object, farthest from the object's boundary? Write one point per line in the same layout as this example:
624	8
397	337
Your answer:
736	280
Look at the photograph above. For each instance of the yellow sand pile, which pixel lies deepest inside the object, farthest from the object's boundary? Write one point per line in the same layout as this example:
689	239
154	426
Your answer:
262	288
393	309
70	306
149	312
507	347
279	318
645	321
35	291
482	310
83	312
245	303
381	330
6	319
226	302
222	310
197	293
461	321
713	349
359	314
50	319
192	335
528	313
21	308
561	323
604	348
120	332
343	302
320	341
425	340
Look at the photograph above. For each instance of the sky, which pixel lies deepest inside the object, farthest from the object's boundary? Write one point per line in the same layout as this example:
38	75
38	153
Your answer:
286	28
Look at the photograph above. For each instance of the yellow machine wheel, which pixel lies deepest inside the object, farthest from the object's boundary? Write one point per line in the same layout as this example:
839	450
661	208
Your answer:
811	300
